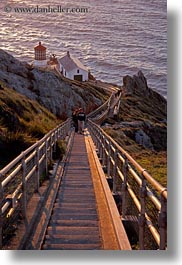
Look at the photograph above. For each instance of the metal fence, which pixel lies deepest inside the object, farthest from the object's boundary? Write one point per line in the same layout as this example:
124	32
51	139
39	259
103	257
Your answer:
142	198
22	177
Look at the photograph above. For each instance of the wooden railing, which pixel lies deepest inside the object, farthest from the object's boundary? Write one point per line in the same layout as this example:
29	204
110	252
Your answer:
142	198
100	109
101	113
22	177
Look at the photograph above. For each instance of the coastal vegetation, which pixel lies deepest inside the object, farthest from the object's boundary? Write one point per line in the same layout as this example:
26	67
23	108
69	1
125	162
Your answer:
22	122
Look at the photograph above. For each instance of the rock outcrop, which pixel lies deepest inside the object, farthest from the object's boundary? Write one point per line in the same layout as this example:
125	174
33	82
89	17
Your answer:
142	116
135	84
150	135
143	139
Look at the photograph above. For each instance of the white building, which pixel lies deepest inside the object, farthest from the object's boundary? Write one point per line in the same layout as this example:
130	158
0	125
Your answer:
40	56
72	68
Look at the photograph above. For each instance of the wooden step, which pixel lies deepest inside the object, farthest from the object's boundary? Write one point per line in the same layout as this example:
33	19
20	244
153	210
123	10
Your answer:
73	223
80	205
79	196
73	185
73	230
76	199
81	180
71	246
58	210
72	239
67	216
77	191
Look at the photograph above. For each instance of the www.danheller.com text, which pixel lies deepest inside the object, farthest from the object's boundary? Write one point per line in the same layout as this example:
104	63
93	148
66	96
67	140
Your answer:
47	9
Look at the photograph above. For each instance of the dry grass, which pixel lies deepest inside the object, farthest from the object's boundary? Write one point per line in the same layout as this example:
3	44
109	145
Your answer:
22	122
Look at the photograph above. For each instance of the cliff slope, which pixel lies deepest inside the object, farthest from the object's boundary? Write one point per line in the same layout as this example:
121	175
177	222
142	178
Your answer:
22	122
47	88
141	125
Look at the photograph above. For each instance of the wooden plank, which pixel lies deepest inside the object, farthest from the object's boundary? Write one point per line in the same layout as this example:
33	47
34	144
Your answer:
81	205
71	247
75	210
73	223
74	230
73	239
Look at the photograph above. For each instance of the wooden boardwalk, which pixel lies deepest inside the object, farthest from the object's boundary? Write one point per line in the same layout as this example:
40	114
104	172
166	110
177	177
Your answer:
81	219
74	223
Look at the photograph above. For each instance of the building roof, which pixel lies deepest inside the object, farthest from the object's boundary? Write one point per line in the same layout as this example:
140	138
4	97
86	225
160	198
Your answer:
40	47
70	63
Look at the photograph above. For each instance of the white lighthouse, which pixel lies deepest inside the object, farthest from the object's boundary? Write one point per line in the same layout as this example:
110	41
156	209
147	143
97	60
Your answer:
40	56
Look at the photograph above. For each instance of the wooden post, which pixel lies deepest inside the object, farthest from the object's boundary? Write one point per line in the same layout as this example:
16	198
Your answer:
1	216
97	140
37	168
115	170
163	222
98	143
51	147
104	151
109	160
58	133
46	157
141	217
93	133
24	191
124	186
55	140
102	148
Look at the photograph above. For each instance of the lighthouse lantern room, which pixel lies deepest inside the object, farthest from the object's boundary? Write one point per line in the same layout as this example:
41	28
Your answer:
40	56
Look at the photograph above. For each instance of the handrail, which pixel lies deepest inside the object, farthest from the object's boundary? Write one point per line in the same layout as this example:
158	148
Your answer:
25	172
32	147
150	194
103	111
99	109
141	170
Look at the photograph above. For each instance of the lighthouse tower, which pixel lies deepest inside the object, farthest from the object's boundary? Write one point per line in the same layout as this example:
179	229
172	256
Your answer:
40	56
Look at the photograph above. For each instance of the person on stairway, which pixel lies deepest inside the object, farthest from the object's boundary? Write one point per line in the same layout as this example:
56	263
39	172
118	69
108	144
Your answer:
75	119
81	121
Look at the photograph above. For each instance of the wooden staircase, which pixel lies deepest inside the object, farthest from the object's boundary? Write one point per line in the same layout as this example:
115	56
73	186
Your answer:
74	224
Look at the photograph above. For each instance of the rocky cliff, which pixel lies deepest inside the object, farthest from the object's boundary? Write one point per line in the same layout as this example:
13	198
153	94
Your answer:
141	125
47	88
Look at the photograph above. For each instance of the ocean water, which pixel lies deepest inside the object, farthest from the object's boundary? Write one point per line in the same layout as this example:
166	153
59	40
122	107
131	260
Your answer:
113	39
